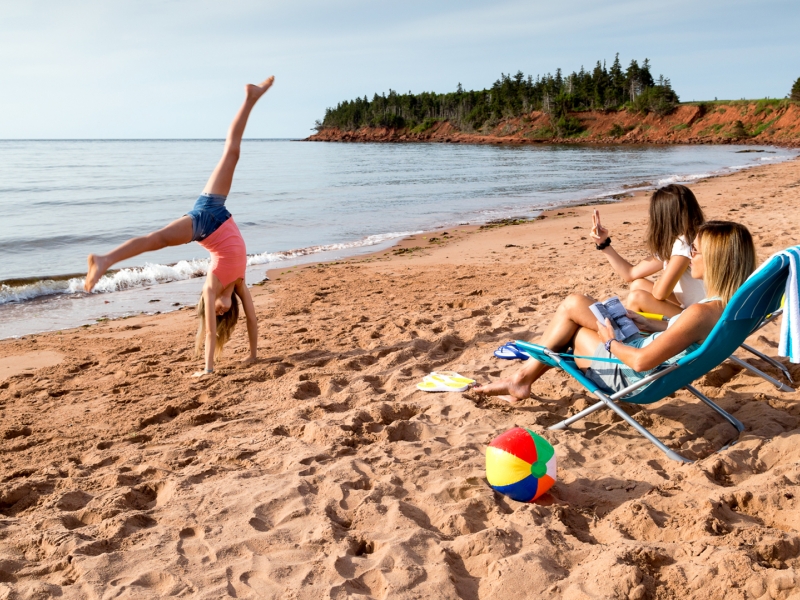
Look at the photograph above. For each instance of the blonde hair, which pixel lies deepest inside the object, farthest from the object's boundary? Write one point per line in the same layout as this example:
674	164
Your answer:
729	256
225	326
674	213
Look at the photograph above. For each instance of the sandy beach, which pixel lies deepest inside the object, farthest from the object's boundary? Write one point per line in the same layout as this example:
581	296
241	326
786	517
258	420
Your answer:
321	472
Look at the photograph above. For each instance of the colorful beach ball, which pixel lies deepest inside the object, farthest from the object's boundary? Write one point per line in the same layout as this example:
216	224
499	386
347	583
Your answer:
520	464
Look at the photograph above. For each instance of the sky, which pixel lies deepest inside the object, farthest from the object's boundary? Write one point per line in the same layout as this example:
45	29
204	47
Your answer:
115	69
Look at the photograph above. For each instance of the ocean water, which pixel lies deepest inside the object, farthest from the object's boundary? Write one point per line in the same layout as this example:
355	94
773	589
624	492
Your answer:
293	201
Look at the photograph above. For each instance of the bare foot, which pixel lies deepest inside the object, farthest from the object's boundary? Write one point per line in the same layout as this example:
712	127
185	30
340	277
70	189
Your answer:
254	92
98	266
506	389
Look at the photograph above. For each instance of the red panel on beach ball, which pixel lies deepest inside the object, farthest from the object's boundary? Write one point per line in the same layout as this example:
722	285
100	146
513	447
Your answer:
517	441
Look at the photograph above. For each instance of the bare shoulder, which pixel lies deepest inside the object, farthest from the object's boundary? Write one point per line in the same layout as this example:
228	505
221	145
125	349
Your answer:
701	316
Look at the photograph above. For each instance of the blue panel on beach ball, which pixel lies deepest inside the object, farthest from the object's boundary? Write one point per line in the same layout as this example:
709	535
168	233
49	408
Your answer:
523	490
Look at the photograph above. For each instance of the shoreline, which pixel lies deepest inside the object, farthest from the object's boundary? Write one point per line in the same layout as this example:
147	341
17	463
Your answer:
354	252
321	471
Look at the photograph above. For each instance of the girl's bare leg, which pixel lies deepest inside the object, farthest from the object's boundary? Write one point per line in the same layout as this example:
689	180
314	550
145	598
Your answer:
573	324
222	177
641	299
180	231
176	233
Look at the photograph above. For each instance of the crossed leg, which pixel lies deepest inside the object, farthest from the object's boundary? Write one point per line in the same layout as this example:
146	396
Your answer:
180	231
641	299
573	325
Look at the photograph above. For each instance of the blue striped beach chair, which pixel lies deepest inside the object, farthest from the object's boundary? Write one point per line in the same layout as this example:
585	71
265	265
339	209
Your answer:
754	302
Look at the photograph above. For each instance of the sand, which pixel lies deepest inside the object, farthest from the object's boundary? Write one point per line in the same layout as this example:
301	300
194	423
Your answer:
321	472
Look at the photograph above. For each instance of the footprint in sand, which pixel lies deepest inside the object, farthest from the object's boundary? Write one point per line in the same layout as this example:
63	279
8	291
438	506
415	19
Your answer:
194	548
306	390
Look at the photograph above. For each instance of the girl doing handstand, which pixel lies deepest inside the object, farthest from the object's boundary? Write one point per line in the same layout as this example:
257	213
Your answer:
211	225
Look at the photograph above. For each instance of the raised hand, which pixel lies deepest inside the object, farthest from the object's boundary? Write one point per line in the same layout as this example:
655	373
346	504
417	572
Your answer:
598	233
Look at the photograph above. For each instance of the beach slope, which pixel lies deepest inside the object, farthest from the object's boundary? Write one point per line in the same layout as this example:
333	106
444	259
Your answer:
322	472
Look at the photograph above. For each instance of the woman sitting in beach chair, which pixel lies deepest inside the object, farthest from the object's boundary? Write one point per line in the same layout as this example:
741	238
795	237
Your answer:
723	257
211	225
675	217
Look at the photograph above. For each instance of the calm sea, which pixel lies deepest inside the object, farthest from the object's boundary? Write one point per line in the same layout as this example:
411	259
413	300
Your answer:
293	201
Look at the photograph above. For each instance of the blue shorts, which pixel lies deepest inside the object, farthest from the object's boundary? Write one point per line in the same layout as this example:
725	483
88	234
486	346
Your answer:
208	214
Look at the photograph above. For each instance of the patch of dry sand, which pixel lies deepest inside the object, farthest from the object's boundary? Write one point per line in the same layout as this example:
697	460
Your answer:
322	472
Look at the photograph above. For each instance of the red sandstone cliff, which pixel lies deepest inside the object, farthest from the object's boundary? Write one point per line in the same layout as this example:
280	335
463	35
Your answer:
754	123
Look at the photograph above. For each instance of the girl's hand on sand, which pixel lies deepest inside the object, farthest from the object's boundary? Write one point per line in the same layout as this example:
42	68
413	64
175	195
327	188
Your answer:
599	234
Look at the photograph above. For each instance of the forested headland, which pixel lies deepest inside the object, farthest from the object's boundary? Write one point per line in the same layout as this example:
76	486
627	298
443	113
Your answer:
512	96
605	105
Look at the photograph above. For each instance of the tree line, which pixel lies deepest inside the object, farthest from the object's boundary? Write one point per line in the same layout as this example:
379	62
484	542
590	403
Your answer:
512	96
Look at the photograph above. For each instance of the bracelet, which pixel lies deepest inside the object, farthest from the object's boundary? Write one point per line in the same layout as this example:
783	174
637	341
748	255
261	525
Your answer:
604	245
209	371
608	345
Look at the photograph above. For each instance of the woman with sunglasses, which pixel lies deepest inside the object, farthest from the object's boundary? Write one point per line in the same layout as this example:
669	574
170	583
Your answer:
675	217
723	258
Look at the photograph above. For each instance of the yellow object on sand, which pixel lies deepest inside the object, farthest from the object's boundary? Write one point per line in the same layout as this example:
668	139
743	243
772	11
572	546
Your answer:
445	381
653	316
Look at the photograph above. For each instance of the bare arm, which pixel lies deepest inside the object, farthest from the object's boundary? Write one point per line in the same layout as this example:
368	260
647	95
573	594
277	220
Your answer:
211	327
252	320
665	285
695	324
624	269
630	272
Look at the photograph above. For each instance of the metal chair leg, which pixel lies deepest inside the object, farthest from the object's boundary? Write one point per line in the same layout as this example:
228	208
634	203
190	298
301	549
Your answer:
577	417
771	361
641	429
728	417
746	365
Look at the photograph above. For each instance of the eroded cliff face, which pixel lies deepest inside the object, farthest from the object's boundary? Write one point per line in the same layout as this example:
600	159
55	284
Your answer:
753	123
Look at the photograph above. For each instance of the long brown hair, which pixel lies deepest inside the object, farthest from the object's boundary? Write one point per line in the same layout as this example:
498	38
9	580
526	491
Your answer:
674	212
225	325
729	255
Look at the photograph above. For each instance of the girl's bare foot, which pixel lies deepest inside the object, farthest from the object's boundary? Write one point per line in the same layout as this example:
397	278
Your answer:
505	389
98	266
254	92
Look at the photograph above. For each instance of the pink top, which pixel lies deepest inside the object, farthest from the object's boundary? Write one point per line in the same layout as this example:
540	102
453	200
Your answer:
228	253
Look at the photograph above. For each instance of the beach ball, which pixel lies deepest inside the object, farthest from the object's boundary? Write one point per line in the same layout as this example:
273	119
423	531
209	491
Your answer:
520	464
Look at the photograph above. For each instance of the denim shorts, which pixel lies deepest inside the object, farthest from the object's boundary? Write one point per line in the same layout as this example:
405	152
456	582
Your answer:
208	214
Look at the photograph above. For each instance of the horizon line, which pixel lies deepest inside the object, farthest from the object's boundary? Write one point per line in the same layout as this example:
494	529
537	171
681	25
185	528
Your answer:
280	139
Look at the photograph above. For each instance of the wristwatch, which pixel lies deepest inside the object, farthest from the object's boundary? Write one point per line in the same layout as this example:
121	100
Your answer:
608	345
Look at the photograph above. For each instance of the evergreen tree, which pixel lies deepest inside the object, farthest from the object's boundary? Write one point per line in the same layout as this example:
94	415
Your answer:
795	94
512	96
617	83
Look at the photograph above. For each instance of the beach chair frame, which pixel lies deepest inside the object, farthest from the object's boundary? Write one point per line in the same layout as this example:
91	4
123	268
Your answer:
768	359
607	401
753	305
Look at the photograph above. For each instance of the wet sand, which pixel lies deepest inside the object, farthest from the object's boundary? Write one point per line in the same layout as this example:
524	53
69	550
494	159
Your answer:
321	471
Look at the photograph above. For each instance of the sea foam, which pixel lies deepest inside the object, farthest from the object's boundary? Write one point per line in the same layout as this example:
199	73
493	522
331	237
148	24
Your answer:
154	274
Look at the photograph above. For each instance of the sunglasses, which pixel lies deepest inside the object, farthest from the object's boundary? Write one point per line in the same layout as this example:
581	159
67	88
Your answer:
694	250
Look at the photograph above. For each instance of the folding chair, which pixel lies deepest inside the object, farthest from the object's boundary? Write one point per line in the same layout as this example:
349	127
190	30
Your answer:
757	298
